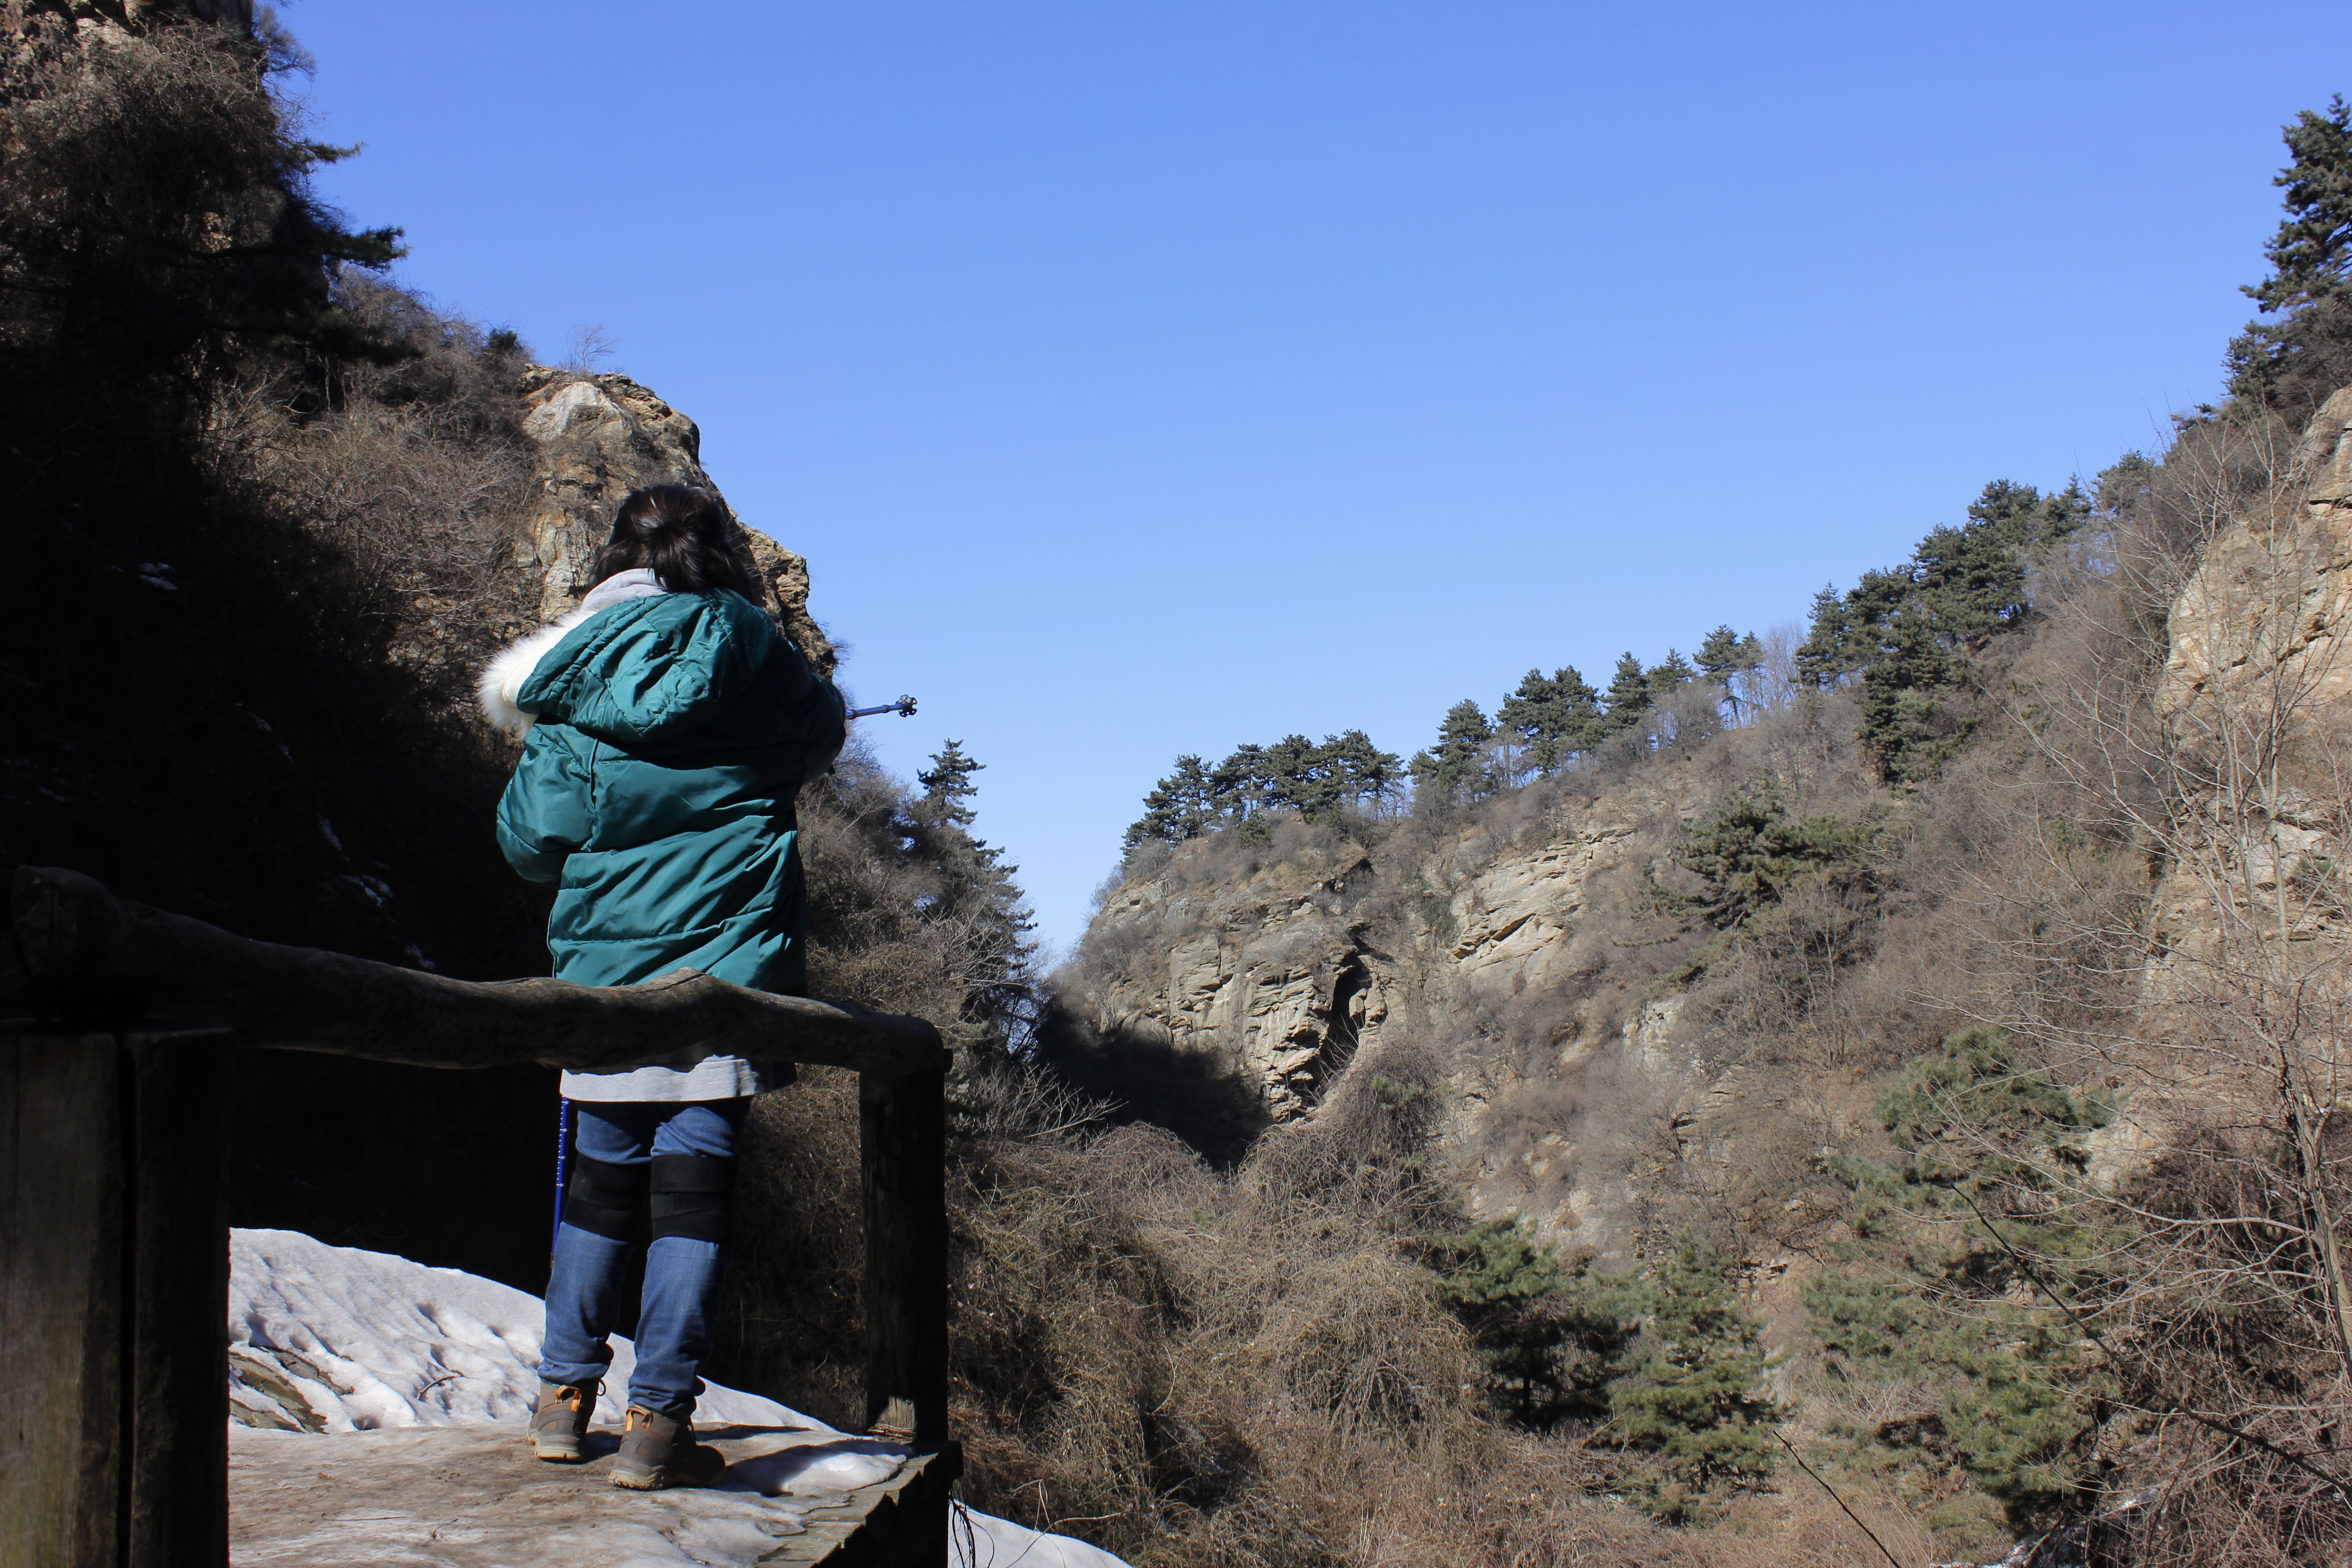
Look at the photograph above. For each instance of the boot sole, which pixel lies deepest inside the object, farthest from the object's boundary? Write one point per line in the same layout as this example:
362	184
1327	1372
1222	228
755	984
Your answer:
661	1480
558	1456
653	1482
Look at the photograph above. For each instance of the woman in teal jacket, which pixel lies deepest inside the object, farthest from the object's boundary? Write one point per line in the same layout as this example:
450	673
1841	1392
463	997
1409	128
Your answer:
670	725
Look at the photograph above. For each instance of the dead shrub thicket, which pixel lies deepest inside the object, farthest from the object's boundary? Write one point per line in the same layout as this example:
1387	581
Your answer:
1250	1367
413	477
1254	1367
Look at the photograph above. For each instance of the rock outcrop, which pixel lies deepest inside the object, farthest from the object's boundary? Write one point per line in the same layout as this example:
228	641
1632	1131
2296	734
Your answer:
1280	970
594	440
1267	979
1275	975
2267	610
2256	700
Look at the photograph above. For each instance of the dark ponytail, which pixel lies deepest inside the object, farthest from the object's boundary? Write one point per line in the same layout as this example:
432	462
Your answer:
682	533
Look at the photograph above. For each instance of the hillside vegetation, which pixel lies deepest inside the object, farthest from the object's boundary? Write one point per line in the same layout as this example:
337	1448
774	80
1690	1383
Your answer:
1946	990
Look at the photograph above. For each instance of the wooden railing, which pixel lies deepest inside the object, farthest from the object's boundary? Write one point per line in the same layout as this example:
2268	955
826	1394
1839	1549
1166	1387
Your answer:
113	1188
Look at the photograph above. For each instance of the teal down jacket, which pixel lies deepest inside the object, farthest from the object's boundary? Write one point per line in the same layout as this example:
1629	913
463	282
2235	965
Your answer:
672	735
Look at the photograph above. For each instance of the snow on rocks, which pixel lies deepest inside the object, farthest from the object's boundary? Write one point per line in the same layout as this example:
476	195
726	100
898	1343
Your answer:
380	1405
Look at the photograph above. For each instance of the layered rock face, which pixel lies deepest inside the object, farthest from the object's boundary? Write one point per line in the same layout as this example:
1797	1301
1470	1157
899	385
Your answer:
2256	703
1282	974
1274	973
2267	610
594	440
1268	979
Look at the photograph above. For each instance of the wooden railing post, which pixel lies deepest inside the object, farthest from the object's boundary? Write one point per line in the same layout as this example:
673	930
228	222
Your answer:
176	1452
902	1150
113	1299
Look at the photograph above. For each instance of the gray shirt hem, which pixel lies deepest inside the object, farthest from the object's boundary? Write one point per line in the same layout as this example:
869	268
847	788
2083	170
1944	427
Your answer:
712	1078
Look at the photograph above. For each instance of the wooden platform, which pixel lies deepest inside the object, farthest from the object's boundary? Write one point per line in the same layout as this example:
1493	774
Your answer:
464	1497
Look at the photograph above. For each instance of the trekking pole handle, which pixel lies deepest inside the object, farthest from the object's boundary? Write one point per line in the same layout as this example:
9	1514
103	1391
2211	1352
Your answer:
904	708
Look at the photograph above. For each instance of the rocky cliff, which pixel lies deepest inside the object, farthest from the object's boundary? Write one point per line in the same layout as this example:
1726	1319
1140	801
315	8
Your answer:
2253	743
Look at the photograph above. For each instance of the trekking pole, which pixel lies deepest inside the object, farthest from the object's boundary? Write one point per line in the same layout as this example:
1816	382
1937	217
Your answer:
904	708
563	1156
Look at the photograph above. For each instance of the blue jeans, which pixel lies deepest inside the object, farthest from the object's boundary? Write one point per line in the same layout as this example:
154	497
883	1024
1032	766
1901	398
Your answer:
682	1274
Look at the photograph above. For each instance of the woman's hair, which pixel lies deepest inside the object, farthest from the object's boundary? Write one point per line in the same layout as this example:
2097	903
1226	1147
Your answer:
682	533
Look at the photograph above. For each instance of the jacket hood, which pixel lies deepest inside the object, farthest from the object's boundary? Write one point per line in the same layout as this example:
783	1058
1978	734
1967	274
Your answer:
502	680
631	663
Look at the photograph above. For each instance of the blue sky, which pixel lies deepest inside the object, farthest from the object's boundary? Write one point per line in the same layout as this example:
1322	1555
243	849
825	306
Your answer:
1145	378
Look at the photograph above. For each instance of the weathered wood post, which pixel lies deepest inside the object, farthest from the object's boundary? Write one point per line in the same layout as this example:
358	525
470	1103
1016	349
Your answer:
902	1147
113	1299
902	1158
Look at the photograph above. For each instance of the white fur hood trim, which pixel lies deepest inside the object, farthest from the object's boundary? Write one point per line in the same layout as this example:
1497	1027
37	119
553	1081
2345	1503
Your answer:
503	677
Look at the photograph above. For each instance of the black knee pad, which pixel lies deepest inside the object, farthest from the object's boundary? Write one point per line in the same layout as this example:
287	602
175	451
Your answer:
691	1196
603	1198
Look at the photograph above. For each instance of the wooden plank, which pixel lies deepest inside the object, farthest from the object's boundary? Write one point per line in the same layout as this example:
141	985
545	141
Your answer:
902	1155
176	1185
61	1330
94	958
899	1523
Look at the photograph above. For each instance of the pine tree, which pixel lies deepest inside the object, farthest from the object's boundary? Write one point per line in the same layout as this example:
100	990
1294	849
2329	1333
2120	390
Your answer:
1970	581
1180	806
1297	778
1905	723
1694	1394
1360	771
2297	359
1725	657
1911	627
1826	657
1552	1334
1628	697
2025	519
1668	676
946	784
1550	714
1240	783
1747	855
977	888
1965	584
1452	772
1939	1300
1719	655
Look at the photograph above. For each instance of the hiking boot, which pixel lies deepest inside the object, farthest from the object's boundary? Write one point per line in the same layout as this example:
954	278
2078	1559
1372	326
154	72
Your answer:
657	1452
558	1427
